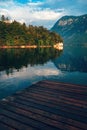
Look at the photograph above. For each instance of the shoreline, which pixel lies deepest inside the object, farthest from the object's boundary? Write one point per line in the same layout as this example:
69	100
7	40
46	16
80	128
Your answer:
23	46
58	46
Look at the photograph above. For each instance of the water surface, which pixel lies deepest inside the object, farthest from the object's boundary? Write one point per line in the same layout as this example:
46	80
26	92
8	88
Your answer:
19	68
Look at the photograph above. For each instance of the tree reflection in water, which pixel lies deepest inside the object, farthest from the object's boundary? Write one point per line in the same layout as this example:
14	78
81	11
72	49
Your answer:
17	58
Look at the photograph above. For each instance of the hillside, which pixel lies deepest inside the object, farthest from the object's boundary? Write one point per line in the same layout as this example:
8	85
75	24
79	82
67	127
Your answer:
17	34
73	29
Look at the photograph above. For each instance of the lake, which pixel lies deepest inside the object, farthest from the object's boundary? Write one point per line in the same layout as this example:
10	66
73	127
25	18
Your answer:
19	68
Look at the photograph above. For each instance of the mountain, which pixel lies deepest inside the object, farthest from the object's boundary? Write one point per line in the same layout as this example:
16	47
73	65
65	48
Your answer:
73	29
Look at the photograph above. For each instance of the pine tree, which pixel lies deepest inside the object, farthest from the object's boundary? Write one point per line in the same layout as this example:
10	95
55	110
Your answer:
3	18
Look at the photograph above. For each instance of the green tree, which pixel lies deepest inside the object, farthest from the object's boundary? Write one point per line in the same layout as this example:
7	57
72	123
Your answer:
3	18
16	33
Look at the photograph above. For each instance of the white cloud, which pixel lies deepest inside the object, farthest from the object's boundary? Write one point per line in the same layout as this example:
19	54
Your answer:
46	14
54	1
4	12
34	4
31	13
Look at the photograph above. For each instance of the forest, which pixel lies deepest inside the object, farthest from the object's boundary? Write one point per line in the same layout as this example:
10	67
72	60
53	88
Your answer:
17	34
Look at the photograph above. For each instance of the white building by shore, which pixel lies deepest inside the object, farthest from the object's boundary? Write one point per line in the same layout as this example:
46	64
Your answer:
59	46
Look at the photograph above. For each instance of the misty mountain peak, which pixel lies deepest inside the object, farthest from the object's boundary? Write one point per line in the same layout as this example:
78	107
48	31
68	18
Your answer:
65	22
73	29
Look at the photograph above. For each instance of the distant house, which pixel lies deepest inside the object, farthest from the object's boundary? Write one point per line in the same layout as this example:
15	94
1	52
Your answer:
7	21
59	46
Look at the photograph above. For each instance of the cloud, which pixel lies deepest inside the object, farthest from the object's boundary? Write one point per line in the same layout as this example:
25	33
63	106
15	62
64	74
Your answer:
43	12
31	12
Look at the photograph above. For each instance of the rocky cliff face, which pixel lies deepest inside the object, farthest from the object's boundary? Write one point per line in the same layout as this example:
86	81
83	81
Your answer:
73	29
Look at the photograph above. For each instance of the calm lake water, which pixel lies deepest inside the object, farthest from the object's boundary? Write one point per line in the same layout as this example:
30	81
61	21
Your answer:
19	68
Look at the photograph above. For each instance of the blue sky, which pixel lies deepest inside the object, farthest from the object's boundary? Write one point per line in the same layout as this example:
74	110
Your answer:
41	12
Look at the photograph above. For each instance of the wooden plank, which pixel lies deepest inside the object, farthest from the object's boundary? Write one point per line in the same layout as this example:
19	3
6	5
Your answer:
46	105
58	105
54	99
5	127
63	87
43	114
26	122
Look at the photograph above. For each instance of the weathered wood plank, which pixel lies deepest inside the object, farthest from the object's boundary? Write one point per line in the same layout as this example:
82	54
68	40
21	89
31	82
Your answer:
48	117
58	105
63	87
5	127
46	105
52	98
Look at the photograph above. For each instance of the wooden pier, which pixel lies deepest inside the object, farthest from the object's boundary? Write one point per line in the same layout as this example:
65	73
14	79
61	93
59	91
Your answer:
46	105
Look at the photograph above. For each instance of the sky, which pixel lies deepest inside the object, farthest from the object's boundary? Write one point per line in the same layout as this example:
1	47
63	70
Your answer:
41	12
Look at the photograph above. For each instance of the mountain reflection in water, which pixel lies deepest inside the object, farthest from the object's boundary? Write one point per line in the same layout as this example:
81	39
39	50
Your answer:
73	59
73	65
